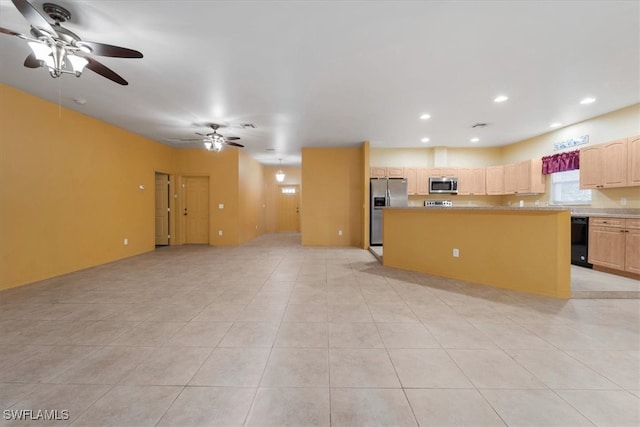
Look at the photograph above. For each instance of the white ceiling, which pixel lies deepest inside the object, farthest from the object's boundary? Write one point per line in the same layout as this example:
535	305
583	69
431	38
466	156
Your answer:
336	73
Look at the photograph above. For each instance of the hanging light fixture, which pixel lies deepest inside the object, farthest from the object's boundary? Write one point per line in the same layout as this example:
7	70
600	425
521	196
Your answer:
280	175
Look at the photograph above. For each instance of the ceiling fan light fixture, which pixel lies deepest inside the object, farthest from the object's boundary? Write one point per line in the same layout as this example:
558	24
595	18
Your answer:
208	144
77	63
217	145
41	51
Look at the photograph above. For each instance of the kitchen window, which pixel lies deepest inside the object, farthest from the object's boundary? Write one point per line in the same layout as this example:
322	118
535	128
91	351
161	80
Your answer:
565	189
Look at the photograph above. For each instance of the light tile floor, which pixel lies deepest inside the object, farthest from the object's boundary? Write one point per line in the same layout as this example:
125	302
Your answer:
271	333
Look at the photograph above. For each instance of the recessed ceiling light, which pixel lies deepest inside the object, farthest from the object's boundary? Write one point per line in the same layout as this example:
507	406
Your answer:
475	139
500	98
425	140
555	125
80	101
588	101
425	116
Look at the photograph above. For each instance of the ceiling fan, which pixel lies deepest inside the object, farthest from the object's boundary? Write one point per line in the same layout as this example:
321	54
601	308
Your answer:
59	49
213	141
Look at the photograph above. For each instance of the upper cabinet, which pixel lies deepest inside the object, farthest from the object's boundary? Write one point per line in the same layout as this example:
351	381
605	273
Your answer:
471	181
440	172
529	177
633	165
495	180
524	178
393	172
510	177
390	172
412	180
376	172
607	165
423	181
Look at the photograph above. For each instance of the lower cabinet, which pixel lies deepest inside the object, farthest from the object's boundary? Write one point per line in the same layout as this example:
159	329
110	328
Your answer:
615	243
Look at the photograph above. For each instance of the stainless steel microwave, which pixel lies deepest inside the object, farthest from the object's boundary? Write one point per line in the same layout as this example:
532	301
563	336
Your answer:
443	185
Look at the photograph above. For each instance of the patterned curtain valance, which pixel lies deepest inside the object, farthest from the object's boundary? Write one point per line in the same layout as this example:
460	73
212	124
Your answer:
561	162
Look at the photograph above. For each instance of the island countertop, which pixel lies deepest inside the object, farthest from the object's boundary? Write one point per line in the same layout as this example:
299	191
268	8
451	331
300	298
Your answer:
527	249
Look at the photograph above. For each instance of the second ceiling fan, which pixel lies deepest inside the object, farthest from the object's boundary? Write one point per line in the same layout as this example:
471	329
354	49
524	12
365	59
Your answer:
213	141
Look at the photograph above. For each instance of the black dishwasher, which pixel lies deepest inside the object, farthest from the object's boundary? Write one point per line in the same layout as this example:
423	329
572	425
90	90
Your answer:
580	241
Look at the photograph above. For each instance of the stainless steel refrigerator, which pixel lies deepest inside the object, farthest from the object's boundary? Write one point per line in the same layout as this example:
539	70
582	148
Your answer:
385	192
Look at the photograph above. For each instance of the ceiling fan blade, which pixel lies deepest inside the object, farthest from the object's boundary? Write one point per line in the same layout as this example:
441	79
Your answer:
105	71
204	134
102	49
234	144
231	138
10	32
34	17
32	62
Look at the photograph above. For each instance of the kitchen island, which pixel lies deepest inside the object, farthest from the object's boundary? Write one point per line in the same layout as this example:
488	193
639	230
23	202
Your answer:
524	249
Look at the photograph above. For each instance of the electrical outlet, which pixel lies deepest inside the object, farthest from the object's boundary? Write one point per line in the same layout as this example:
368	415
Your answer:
126	241
456	252
339	232
220	205
219	232
623	201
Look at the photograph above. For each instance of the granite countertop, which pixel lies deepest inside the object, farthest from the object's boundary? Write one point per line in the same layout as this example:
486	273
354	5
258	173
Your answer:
608	213
588	212
483	208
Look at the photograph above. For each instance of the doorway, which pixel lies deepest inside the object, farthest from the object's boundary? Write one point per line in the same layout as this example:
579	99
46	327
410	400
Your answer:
288	208
162	209
196	209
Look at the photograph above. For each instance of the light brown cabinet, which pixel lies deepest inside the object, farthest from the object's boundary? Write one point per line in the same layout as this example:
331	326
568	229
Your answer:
615	243
510	178
411	174
495	180
524	178
388	172
632	249
471	181
393	172
633	165
438	172
377	172
604	165
423	181
529	177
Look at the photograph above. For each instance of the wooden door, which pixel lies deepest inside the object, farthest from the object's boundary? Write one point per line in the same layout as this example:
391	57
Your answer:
633	166
614	163
162	209
289	208
196	209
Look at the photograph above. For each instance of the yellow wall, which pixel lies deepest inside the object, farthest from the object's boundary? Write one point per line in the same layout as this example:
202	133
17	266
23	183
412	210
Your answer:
292	176
69	190
251	195
517	249
333	196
